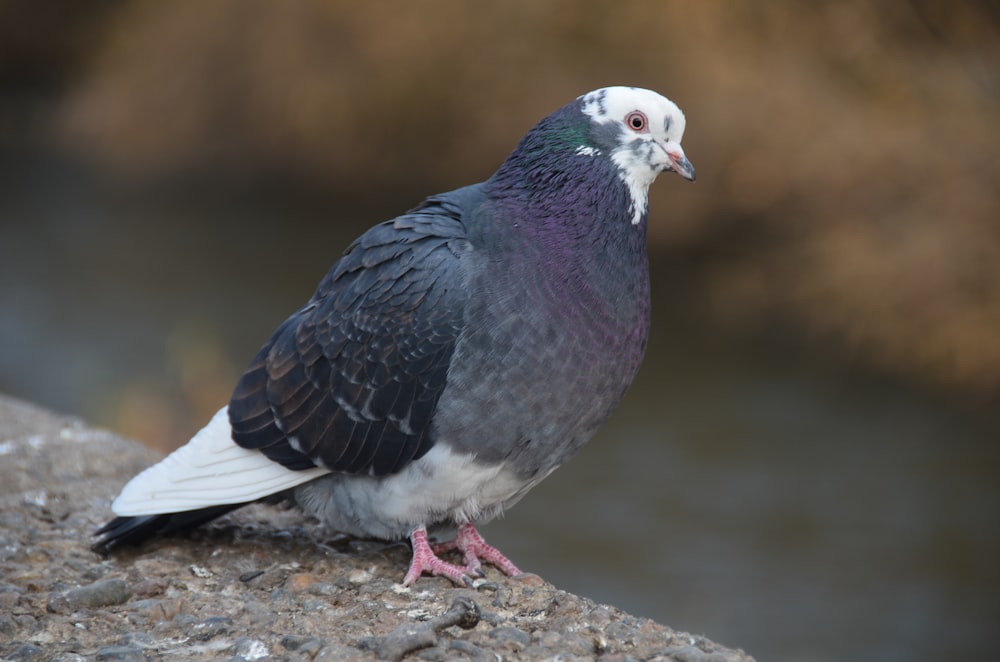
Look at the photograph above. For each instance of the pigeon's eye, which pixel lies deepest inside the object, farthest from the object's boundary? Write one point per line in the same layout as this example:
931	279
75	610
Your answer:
637	121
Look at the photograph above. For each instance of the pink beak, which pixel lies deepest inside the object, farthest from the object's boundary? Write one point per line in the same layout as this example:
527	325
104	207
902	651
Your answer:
680	163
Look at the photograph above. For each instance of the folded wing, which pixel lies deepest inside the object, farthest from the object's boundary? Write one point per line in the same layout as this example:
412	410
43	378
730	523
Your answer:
351	381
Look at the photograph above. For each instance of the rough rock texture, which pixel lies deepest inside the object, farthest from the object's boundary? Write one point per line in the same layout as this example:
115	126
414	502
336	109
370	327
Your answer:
260	584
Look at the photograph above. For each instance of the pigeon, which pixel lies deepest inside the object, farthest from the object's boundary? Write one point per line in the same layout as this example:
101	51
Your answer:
451	359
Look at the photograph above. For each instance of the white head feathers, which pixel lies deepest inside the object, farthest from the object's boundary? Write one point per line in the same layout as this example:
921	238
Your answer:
648	141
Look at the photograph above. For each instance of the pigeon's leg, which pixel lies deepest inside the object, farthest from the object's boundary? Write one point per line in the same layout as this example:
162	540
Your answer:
424	560
471	544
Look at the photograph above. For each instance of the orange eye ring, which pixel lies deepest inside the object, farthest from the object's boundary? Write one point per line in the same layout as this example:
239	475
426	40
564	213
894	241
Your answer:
636	120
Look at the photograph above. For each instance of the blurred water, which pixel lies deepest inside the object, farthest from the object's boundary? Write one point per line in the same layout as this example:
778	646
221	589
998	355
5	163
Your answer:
767	497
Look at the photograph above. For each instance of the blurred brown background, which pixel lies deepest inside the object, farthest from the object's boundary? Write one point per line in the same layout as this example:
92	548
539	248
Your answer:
176	177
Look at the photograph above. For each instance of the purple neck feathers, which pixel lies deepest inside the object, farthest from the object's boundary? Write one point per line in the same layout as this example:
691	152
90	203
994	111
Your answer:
571	211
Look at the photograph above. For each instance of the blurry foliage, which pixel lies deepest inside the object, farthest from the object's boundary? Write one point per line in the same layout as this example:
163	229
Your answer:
42	44
847	151
198	376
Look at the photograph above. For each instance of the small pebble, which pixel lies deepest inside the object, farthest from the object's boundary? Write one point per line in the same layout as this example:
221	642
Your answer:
99	594
147	588
210	628
137	640
250	649
301	644
25	652
299	581
322	588
314	604
250	575
360	576
7	626
121	654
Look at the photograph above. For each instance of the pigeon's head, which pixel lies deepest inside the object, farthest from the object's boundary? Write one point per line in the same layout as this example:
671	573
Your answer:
640	131
573	156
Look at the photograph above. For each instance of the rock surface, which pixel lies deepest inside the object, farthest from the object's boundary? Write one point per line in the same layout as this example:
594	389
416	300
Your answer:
260	584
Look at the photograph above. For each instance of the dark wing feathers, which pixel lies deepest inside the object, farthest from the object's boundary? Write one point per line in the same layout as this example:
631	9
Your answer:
351	381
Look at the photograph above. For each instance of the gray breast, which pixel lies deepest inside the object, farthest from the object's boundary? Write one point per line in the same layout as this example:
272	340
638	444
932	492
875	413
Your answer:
543	361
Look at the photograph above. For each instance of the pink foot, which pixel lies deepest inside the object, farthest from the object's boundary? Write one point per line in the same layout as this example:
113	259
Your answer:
424	560
471	544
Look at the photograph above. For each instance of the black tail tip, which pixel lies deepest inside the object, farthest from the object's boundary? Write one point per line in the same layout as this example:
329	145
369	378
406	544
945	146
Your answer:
134	530
124	531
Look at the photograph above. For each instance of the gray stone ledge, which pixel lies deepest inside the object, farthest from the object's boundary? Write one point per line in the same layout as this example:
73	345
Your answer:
258	585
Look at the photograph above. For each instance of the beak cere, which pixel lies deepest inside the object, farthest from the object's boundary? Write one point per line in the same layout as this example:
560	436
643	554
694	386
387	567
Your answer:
680	163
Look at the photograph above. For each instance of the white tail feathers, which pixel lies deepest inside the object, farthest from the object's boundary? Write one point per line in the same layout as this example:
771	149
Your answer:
210	470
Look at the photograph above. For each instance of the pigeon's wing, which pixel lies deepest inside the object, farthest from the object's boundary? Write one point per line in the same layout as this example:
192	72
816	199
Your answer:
350	382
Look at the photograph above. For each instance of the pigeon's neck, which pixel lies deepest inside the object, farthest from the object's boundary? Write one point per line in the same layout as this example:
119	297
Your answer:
562	181
572	212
